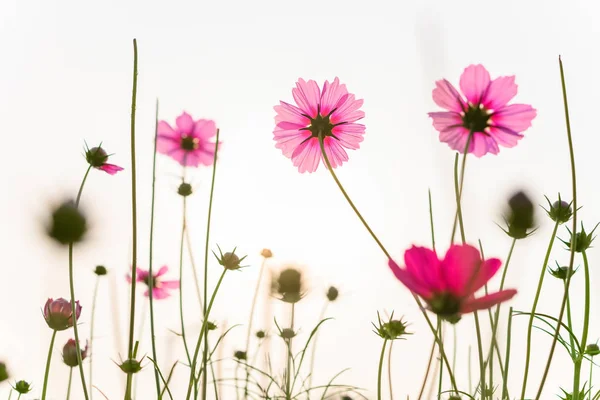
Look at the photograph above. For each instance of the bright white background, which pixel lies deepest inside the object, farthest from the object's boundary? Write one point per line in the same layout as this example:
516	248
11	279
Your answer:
65	77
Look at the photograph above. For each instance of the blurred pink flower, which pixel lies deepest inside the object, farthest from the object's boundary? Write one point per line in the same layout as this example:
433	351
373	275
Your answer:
188	143
58	313
97	158
485	112
448	286
330	114
160	288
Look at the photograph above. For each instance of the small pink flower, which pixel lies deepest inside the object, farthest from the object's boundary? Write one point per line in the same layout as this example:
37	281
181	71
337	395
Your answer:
485	112
59	315
97	158
448	286
188	143
160	288
329	114
69	353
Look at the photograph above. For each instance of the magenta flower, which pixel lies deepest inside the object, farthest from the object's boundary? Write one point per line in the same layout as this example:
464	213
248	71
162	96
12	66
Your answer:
69	353
160	288
448	286
485	112
97	158
59	315
189	143
329	114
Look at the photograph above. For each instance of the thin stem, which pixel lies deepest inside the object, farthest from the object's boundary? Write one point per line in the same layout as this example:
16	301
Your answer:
288	372
431	220
441	376
505	374
480	351
151	255
584	334
590	384
314	347
570	325
133	221
48	359
427	370
181	319
210	203
202	334
381	357
573	242
188	242
469	369
533	309
69	385
93	319
250	320
390	370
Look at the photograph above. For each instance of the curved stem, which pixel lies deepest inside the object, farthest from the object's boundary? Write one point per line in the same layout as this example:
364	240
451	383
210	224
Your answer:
203	331
390	370
210	203
48	359
314	347
69	385
427	370
380	369
250	320
533	308
93	319
181	319
441	376
507	358
572	257
151	255
584	334
133	222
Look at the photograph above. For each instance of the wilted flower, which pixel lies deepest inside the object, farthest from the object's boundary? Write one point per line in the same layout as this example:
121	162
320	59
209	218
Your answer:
561	273
69	353
59	315
160	288
22	387
189	142
288	285
332	293
520	217
97	158
185	189
448	286
100	270
583	240
266	253
327	114
391	330
229	260
3	372
68	223
131	366
484	115
240	355
560	211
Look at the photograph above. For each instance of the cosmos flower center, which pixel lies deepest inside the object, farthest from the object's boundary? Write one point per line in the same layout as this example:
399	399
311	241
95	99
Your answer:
189	143
446	305
476	118
147	281
321	126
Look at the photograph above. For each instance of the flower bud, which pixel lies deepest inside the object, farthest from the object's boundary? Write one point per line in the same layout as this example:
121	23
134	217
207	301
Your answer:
560	211
583	240
68	224
287	333
391	330
69	353
22	387
561	273
185	189
240	355
266	253
288	285
229	260
131	366
332	293
3	372
96	157
59	315
520	217
592	349
100	270
260	334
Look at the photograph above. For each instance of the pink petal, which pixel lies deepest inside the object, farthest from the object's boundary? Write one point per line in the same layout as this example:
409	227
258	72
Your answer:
111	169
205	128
289	113
504	136
486	271
474	82
482	143
174	284
163	270
516	117
307	156
447	97
307	95
488	301
424	266
167	144
159	294
500	91
461	268
348	110
288	140
335	153
445	120
185	123
179	155
164	129
141	275
332	93
409	281
350	135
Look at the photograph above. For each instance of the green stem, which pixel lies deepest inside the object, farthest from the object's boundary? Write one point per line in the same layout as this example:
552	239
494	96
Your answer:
47	373
570	325
250	320
431	220
151	255
390	370
289	372
314	347
584	334
181	319
441	376
381	357
427	370
590	385
93	319
480	351
210	203
505	373
133	221
202	334
69	385
574	230
534	307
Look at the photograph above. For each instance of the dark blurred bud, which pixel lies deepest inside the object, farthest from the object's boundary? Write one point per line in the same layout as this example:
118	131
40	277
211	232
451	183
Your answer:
100	270
332	293
185	189
96	157
240	355
260	334
131	366
68	224
288	285
287	333
3	372
211	326
520	216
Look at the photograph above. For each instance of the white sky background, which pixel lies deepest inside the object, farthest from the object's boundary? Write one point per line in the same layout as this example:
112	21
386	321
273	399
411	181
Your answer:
65	77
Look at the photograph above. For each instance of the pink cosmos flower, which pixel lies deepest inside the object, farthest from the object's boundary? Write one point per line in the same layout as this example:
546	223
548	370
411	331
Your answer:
160	288
448	286
59	315
327	114
189	142
485	112
97	158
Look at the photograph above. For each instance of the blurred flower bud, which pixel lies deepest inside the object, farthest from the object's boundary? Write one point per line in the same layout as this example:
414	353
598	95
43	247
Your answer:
229	260
266	253
22	387
287	333
100	270
240	355
288	285
391	330
560	211
211	326
185	189
260	334
59	315
68	224
69	353
583	240
592	349
520	217
332	293
131	366
3	372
